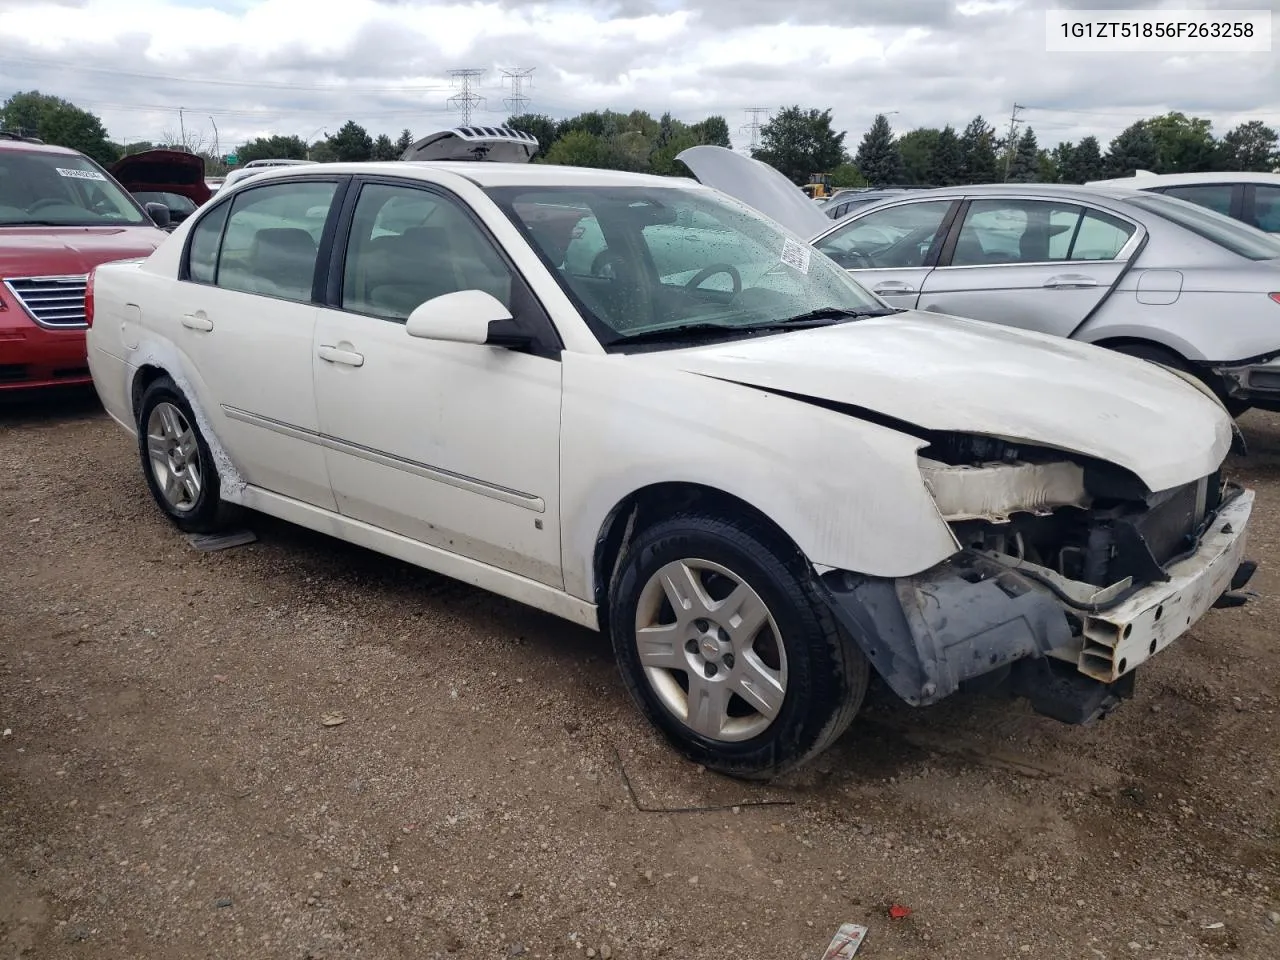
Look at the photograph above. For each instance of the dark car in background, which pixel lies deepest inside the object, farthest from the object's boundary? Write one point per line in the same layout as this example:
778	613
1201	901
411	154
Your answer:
173	178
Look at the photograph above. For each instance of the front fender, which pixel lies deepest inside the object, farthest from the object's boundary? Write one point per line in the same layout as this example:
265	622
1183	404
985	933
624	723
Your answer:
849	493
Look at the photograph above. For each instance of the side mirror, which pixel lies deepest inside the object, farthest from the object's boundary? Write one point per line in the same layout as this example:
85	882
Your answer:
463	317
159	214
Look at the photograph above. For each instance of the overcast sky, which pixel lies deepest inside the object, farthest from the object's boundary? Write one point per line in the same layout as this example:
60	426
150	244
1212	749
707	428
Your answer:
255	67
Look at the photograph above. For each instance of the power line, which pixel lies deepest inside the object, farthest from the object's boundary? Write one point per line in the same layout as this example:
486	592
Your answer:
754	126
517	102
466	100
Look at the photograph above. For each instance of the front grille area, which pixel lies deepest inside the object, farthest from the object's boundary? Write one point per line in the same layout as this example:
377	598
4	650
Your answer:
1171	519
54	302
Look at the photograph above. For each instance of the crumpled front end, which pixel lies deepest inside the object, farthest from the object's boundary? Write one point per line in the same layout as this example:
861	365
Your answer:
1071	574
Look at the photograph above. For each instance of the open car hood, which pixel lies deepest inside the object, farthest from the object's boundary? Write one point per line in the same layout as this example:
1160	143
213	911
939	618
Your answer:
939	373
757	185
494	144
163	171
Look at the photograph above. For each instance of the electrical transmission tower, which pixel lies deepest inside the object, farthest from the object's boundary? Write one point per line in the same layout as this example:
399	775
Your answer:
1011	146
466	99
754	126
517	103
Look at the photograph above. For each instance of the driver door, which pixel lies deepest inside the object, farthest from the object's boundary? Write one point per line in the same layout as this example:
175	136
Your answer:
890	250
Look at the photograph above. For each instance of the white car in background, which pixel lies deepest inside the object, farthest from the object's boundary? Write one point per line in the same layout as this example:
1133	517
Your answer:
1252	198
254	167
761	489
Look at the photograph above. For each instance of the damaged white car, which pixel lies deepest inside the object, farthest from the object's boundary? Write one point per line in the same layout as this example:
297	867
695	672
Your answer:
694	434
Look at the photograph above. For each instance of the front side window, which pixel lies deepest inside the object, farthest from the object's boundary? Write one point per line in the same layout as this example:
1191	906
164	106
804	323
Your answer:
272	238
643	261
1221	230
206	237
60	189
895	237
408	246
1211	196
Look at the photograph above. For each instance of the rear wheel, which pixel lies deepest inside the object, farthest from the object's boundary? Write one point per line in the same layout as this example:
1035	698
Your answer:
727	648
1166	357
176	461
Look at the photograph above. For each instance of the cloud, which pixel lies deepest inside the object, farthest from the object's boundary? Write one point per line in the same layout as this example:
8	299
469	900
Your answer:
252	67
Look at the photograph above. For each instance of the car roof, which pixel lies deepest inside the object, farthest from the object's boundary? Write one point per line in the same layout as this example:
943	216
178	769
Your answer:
1063	190
485	174
26	146
1144	179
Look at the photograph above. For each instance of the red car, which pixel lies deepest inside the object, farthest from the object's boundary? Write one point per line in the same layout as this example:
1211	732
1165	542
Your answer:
60	216
174	178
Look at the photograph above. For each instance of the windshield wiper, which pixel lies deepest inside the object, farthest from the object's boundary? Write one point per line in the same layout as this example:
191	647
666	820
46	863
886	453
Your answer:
683	331
824	316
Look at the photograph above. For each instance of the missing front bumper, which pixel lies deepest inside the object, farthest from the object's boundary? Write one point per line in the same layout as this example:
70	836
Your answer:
975	616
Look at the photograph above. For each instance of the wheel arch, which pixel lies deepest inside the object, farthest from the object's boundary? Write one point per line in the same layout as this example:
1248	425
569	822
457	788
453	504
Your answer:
649	504
143	377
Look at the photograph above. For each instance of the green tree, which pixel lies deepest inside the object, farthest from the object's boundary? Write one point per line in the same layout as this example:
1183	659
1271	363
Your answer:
383	148
1025	164
1251	146
1183	144
577	148
1047	166
978	149
321	152
351	143
1061	159
916	147
948	159
878	157
1132	149
272	148
59	122
403	142
799	142
714	131
1084	162
138	146
847	174
539	126
663	160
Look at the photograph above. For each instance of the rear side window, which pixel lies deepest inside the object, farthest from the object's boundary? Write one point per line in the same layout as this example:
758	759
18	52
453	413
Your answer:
1211	196
202	255
1266	208
272	239
1242	240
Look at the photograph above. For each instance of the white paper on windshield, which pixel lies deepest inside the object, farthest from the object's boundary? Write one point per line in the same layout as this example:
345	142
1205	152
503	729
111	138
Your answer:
796	255
79	174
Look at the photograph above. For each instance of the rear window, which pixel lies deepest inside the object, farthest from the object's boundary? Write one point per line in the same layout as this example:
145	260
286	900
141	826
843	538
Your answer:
1240	239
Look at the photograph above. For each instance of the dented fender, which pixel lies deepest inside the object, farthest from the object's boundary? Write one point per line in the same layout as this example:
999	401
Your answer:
849	493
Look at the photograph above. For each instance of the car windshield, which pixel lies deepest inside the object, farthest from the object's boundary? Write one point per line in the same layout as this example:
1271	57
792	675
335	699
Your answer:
60	189
1215	227
179	206
674	263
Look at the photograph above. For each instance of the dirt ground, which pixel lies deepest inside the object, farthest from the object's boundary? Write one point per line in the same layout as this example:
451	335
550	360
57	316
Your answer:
168	786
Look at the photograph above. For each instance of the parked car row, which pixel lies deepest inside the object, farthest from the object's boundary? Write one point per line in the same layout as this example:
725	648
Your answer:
657	411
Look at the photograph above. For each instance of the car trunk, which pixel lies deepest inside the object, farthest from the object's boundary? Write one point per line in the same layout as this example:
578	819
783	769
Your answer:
164	171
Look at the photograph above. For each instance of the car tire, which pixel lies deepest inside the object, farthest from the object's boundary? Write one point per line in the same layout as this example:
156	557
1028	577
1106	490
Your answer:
177	463
1163	355
788	689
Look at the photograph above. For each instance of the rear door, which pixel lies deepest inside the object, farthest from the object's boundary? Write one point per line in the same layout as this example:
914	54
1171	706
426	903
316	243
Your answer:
1041	263
892	248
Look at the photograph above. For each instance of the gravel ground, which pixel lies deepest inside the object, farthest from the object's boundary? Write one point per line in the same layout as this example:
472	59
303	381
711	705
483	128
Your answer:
169	786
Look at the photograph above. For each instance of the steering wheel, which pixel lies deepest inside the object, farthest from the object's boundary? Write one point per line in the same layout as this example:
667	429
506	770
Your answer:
707	272
605	258
861	261
46	202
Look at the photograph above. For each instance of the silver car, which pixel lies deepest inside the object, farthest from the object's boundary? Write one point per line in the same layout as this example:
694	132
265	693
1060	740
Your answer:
1142	273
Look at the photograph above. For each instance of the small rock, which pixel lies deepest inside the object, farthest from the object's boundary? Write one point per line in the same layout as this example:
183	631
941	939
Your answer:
591	952
8	732
693	880
1025	948
866	829
391	919
77	933
648	875
1273	918
606	952
1134	945
516	950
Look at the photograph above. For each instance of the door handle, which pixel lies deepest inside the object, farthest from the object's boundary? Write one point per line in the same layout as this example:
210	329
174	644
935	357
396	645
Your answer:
196	321
335	355
1068	280
893	286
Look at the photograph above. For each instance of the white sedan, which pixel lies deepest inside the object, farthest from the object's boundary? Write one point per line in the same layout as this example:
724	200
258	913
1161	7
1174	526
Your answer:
704	439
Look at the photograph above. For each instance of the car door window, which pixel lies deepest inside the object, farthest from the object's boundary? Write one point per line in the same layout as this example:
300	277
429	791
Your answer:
1036	231
895	237
272	237
408	246
202	254
1215	196
1266	208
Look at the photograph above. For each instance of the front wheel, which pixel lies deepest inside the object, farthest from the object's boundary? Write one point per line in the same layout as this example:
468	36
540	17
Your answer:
727	648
